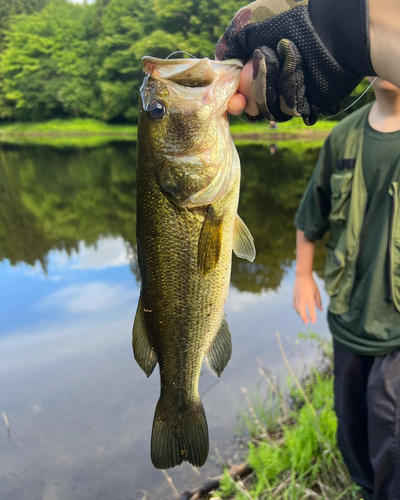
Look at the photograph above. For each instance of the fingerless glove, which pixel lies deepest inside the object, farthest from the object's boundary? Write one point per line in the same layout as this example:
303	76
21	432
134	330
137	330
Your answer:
309	55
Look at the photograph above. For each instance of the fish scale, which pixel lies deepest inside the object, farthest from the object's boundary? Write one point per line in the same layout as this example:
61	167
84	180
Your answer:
187	225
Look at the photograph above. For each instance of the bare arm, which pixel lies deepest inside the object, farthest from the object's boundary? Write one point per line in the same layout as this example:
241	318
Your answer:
384	23
305	291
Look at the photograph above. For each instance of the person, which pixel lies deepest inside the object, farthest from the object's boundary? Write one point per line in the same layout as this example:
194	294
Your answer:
354	193
304	57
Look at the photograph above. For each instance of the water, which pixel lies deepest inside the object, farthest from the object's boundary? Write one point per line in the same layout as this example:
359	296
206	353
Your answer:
79	408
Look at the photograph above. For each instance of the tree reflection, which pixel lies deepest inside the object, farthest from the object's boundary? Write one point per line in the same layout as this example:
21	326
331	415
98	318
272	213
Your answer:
54	199
272	187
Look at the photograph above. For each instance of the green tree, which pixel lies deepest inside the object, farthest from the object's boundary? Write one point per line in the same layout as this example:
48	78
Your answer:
48	68
134	28
9	8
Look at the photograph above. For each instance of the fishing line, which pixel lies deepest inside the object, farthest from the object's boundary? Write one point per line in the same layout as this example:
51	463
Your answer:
322	120
182	52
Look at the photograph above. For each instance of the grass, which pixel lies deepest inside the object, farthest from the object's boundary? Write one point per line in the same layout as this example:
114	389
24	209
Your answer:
295	127
293	450
66	133
93	133
76	126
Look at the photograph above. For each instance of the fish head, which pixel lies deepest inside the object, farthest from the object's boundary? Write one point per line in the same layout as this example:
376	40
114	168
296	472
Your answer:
183	126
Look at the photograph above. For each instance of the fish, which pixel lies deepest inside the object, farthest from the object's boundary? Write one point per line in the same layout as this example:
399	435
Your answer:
188	180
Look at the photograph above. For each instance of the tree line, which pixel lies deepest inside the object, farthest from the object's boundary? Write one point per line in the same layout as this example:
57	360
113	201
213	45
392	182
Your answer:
63	60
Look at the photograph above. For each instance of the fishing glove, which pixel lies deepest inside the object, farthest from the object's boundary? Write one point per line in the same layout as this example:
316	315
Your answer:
309	55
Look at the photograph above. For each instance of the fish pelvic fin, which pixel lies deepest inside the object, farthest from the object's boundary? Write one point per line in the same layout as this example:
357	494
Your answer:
145	355
179	436
220	351
209	247
243	241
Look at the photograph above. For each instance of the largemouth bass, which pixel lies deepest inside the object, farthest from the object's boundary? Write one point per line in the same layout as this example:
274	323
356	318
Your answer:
188	176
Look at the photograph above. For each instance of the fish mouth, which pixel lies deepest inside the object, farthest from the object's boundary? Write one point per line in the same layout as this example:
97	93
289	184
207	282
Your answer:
190	62
190	72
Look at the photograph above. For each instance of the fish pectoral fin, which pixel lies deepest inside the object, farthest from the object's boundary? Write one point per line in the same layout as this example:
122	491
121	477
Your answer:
209	247
220	351
243	241
145	355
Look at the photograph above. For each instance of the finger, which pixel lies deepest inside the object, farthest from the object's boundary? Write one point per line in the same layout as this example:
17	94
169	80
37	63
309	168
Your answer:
246	88
311	311
302	310
318	300
237	104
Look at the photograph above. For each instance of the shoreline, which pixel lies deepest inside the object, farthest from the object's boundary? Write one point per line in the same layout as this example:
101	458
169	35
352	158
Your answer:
94	133
291	448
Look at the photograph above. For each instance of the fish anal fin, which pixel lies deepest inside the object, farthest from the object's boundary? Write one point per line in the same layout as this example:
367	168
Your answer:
209	247
145	355
220	351
243	241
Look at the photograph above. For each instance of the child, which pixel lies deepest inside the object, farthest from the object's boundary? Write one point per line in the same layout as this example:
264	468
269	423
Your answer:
355	194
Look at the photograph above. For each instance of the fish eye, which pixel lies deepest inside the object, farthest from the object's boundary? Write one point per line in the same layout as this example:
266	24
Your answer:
156	110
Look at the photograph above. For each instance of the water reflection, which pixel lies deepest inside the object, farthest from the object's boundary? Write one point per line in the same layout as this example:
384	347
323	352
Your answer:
71	200
55	199
79	407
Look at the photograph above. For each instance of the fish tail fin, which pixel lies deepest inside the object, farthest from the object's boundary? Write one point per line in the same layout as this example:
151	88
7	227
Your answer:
179	436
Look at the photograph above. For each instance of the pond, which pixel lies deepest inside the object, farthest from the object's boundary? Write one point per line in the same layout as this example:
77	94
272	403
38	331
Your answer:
79	408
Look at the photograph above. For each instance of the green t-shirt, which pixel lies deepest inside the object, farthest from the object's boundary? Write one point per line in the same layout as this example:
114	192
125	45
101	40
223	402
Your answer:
371	326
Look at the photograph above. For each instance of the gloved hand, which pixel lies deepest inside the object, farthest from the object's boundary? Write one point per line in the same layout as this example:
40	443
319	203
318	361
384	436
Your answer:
309	55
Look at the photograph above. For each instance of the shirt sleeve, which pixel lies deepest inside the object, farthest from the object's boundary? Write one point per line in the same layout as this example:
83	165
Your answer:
313	212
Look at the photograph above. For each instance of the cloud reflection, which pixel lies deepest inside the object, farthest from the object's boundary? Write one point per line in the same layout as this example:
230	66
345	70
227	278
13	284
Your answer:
88	297
108	252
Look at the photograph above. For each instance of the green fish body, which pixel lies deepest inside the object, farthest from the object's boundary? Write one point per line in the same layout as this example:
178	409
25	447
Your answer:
188	180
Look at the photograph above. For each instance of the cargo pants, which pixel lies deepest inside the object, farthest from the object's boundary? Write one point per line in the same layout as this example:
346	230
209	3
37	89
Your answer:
367	403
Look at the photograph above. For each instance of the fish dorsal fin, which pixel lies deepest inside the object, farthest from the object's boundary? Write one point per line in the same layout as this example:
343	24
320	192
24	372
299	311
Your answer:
199	75
243	241
220	351
145	355
209	247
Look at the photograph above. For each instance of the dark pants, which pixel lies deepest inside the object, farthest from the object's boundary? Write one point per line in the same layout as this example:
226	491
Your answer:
367	403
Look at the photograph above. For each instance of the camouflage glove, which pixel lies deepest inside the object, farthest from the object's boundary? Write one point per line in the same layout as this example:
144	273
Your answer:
309	55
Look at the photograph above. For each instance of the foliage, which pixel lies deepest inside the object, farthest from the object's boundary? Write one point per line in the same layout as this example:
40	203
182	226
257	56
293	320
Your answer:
9	8
61	59
48	67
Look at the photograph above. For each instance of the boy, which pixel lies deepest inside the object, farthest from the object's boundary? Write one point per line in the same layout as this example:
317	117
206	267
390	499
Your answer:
354	192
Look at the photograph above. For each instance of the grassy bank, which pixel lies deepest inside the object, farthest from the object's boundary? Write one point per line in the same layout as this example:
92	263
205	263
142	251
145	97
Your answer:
94	133
294	129
293	450
66	133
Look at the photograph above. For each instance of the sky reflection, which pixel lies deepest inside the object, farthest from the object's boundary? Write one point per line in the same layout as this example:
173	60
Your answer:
80	409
